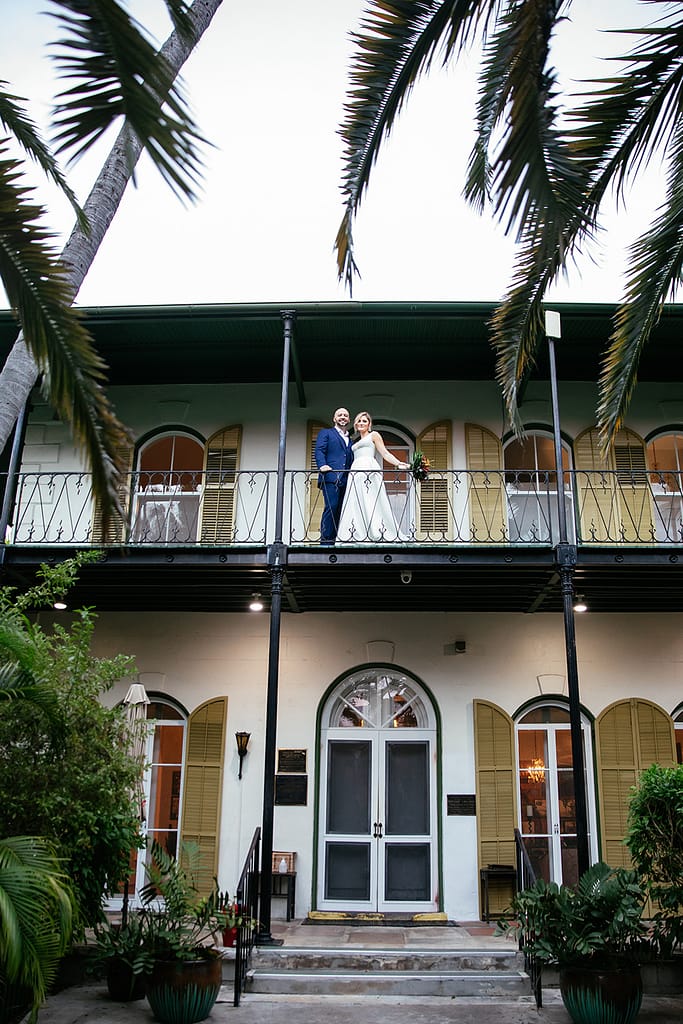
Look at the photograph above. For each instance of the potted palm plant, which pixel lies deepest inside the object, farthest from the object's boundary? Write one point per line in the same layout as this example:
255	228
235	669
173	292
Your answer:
180	931
594	933
123	952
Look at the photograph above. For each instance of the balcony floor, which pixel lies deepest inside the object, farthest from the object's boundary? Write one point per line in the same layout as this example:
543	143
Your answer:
457	579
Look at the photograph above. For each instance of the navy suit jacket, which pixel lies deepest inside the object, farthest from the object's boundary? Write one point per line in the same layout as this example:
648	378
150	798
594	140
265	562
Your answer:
330	450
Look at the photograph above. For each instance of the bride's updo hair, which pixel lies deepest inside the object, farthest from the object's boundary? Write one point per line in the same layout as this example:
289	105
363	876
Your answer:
358	416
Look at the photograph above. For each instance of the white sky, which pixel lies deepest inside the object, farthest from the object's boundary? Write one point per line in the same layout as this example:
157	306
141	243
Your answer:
267	86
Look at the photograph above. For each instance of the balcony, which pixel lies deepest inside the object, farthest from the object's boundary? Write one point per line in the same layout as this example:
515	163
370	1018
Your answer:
462	508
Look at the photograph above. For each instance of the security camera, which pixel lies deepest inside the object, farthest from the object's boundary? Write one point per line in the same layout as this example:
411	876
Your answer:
406	576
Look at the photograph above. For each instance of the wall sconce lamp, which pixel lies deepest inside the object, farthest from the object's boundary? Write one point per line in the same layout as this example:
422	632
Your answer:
256	604
242	739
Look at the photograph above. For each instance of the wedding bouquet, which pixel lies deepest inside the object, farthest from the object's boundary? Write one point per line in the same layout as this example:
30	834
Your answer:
420	466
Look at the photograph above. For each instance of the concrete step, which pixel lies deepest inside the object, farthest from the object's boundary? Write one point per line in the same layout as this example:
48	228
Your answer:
449	984
382	972
305	958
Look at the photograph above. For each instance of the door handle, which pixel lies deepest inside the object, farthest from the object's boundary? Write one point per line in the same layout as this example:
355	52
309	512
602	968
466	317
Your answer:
377	830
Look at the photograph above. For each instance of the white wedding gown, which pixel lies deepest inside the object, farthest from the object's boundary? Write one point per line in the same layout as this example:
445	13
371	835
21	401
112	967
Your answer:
366	515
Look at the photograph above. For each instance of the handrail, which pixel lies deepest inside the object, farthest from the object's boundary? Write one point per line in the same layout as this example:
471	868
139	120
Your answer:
473	507
246	896
526	876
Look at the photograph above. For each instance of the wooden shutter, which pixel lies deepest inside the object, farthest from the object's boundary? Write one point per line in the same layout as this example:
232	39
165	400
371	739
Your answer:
313	504
637	520
631	735
435	521
117	529
203	785
494	752
488	514
221	463
613	492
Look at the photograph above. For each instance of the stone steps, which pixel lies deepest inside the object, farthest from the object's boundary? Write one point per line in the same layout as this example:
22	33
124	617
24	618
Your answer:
424	973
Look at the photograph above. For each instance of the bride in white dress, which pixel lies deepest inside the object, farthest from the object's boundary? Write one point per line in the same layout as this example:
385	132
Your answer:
366	514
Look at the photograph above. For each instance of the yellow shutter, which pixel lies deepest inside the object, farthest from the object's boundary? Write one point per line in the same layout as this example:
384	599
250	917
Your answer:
488	516
117	528
221	463
613	492
314	496
203	785
494	754
631	735
637	521
433	495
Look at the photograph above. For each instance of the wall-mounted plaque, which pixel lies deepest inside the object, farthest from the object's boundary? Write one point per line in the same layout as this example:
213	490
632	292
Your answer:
291	790
291	760
461	804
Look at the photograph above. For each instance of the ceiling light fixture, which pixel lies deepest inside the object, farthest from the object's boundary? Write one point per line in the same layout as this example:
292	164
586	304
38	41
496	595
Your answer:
256	604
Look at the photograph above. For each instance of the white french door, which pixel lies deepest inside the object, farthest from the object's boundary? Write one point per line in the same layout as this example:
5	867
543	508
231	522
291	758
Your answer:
547	806
377	841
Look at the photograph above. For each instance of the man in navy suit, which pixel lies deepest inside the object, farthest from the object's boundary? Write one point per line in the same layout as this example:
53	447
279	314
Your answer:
333	456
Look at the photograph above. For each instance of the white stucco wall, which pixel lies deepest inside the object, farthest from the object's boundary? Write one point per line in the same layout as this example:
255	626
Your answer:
199	656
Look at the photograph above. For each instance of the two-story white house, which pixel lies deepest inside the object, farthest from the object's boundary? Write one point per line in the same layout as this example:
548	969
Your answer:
415	689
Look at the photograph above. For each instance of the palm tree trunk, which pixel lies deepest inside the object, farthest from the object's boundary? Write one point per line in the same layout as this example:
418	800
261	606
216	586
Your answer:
20	371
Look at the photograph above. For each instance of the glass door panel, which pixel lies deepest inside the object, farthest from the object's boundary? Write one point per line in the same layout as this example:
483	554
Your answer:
407	789
347	872
348	788
407	872
547	799
349	866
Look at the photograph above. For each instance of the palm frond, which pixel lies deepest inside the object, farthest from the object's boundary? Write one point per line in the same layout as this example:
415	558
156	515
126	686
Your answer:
35	913
396	44
37	288
655	270
630	117
15	121
118	73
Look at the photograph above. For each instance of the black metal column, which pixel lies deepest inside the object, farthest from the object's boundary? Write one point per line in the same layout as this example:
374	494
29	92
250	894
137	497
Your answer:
277	560
566	561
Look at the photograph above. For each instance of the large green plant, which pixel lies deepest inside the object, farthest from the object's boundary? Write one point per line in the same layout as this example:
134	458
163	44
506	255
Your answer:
35	919
66	771
655	840
598	923
180	923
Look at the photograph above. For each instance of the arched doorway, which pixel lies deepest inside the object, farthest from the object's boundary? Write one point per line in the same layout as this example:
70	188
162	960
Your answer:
547	813
168	490
531	487
162	785
377	842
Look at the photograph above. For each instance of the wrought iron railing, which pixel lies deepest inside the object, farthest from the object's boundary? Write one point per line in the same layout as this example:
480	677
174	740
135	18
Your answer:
247	896
526	876
451	507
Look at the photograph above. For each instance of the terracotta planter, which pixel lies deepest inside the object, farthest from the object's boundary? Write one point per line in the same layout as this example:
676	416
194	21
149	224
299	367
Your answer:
184	991
122	984
594	996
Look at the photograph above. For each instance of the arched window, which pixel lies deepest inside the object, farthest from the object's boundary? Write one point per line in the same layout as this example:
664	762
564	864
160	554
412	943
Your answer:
162	785
531	485
168	490
547	812
665	462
